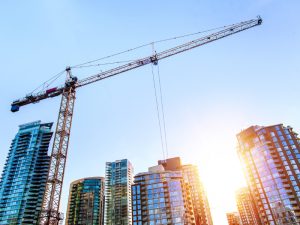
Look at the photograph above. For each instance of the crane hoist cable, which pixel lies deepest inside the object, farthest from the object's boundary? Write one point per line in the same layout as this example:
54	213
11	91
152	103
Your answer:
158	113
160	107
163	111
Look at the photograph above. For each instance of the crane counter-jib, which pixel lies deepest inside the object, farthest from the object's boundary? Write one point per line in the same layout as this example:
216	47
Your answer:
34	98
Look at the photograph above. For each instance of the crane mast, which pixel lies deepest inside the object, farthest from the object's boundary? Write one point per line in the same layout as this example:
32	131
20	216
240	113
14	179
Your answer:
50	214
50	209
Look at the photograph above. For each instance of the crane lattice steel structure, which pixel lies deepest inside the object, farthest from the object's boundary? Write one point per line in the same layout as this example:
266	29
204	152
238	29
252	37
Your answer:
50	214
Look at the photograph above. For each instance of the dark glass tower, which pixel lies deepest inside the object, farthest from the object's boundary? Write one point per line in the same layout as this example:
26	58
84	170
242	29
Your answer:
86	202
25	173
271	158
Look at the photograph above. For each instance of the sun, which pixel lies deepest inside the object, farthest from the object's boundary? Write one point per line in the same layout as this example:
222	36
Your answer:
219	166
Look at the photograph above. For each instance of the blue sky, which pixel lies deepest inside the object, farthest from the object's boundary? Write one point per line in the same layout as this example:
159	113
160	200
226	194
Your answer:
210	93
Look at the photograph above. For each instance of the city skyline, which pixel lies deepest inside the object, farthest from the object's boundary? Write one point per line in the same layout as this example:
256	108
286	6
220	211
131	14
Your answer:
210	93
120	172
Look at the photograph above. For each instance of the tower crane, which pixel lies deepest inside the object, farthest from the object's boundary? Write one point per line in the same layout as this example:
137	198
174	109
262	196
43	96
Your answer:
50	214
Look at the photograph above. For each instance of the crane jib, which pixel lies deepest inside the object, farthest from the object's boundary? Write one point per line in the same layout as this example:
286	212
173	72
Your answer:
53	92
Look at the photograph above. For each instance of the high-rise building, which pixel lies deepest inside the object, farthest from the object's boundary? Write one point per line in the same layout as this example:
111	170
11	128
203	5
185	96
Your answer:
246	207
86	202
271	158
191	176
199	197
118	181
24	175
161	197
233	218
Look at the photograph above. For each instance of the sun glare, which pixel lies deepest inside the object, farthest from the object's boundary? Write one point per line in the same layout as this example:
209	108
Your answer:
219	166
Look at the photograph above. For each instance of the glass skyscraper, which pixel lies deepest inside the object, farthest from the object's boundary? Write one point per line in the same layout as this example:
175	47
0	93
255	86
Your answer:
86	202
118	181
271	158
199	198
24	175
161	197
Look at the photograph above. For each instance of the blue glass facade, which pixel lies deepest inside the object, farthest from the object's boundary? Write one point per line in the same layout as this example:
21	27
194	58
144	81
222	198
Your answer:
24	175
118	180
161	198
271	156
86	202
